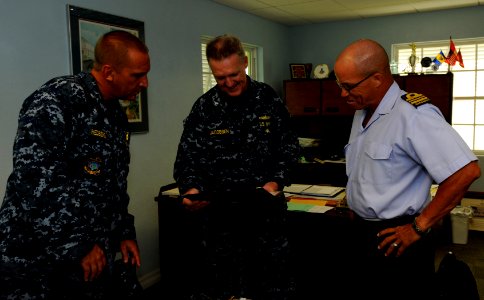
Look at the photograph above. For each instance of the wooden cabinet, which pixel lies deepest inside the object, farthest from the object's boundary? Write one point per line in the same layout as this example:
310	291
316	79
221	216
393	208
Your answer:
320	113
315	97
332	103
318	110
322	97
303	97
437	87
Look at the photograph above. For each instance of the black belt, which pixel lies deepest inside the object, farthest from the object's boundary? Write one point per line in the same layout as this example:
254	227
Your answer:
385	223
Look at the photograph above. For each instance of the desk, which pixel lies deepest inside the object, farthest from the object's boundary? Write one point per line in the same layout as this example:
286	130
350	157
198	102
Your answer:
321	253
320	245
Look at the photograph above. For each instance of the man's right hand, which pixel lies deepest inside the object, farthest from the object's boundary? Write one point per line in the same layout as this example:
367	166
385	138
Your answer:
193	205
93	263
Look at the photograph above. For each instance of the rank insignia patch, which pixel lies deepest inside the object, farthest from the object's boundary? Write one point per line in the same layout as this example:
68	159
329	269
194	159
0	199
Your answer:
93	166
265	122
415	99
98	133
219	132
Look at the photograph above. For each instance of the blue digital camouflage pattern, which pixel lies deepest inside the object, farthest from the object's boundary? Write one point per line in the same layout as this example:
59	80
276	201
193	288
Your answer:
229	147
68	188
236	143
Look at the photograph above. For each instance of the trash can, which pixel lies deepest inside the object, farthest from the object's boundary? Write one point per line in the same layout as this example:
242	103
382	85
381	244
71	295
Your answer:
459	218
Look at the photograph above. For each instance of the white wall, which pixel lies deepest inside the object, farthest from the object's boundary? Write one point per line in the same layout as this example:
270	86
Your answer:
34	47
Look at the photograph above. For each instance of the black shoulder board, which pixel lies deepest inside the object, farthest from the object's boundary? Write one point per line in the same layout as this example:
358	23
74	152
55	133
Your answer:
415	99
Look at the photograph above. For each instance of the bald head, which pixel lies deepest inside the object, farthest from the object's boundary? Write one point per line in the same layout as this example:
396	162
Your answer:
363	72
364	57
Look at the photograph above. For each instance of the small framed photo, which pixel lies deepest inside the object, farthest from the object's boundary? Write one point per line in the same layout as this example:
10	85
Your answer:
298	71
85	27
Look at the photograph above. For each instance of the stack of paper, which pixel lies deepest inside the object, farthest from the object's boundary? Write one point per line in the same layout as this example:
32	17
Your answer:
308	207
172	193
313	190
313	198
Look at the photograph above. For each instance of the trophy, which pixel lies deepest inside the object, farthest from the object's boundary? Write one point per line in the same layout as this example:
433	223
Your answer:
412	59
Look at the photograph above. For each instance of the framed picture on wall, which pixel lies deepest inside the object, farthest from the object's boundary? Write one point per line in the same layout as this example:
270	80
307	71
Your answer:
85	27
298	71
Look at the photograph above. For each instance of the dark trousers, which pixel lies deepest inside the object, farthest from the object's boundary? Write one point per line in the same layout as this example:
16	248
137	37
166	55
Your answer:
65	281
409	276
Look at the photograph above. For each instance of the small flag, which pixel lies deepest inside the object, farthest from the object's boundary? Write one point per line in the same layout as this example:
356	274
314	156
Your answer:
439	59
452	46
459	59
452	56
451	59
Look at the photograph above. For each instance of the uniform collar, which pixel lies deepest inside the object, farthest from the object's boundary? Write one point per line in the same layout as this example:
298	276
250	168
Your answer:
389	100
385	105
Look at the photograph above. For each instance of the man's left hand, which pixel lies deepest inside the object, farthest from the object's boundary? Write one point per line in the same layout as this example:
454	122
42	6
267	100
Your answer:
397	239
130	252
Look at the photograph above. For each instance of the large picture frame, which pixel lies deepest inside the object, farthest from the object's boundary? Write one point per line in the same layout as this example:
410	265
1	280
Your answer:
85	27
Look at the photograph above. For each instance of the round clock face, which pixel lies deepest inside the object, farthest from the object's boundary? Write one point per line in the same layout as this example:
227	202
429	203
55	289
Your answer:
321	71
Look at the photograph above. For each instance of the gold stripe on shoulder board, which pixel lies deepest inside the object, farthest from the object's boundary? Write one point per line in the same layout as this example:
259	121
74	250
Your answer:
415	99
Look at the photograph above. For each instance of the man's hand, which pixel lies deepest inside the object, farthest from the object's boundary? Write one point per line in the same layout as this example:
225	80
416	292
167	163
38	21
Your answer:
271	187
193	205
397	239
93	263
130	252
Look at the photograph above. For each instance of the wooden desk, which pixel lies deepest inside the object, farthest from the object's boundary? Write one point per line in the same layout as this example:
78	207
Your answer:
320	245
321	252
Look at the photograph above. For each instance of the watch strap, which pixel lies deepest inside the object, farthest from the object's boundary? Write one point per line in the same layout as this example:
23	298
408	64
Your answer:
419	230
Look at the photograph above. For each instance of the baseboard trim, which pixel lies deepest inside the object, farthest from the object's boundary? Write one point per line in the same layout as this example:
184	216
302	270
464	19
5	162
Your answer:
150	279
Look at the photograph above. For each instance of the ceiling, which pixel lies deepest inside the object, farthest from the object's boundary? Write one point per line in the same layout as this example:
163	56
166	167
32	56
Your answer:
300	12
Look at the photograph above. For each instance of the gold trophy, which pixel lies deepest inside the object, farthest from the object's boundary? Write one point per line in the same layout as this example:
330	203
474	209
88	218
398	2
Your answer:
413	57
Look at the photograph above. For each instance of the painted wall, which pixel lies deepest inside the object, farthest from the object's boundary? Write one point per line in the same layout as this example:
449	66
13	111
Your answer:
34	47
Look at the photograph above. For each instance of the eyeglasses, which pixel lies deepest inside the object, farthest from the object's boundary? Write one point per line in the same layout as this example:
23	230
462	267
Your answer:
349	87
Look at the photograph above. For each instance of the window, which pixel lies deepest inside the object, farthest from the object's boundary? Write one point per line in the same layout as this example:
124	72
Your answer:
207	78
468	102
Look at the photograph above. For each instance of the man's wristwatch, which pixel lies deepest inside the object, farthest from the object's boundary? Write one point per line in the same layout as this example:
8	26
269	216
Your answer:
419	230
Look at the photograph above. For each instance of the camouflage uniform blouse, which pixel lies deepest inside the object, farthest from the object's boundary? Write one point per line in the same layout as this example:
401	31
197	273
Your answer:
68	187
233	143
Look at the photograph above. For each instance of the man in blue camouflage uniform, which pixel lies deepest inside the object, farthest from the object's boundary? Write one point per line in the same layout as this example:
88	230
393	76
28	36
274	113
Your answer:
65	212
235	154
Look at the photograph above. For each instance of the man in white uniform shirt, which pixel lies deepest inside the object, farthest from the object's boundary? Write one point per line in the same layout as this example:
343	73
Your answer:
399	145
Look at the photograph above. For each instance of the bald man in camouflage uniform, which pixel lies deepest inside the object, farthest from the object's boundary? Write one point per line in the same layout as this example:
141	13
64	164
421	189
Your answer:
237	139
65	211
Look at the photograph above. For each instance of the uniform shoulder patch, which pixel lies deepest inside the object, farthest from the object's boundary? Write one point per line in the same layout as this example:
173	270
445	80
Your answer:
415	99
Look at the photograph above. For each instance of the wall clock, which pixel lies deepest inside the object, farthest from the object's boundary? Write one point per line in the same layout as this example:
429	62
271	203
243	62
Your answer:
321	71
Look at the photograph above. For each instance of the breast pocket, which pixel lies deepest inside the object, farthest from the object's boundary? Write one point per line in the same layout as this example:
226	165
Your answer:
377	163
95	152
